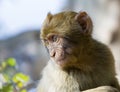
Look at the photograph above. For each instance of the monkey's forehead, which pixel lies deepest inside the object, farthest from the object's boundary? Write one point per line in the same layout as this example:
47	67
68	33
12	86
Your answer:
57	23
64	24
58	19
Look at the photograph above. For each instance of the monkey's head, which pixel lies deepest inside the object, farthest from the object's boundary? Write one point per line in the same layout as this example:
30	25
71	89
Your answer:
63	35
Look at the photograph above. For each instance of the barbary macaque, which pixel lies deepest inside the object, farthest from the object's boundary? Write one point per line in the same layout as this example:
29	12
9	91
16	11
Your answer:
78	63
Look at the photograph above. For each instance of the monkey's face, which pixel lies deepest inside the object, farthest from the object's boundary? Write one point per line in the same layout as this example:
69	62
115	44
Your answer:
61	34
60	50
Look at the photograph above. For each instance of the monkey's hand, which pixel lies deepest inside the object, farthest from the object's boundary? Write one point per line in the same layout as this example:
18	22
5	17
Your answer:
102	89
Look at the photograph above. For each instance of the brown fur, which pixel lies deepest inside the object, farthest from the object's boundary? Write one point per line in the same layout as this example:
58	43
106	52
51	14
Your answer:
88	64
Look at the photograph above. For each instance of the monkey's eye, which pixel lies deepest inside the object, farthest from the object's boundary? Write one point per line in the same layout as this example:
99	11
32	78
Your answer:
54	38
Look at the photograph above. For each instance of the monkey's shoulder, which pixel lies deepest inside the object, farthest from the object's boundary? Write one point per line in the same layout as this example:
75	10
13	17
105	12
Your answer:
101	50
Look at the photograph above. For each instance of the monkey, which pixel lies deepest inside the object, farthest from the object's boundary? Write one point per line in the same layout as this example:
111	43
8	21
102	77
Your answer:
78	62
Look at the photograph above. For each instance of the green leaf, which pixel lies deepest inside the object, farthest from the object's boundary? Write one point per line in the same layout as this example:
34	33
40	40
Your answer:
24	90
11	61
20	77
7	88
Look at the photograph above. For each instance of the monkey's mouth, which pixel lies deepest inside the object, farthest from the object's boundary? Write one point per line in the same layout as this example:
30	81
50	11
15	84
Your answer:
59	58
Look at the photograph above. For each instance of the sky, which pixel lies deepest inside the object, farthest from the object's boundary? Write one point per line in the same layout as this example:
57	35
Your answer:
18	15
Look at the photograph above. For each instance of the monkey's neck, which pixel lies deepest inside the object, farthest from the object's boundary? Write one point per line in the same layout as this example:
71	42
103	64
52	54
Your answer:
74	78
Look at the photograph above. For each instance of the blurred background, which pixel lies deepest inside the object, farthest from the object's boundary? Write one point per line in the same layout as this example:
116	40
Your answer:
22	56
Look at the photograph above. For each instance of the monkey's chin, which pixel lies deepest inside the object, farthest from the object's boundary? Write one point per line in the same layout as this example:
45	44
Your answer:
60	61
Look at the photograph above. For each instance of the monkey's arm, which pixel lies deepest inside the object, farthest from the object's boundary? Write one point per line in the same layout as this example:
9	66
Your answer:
102	89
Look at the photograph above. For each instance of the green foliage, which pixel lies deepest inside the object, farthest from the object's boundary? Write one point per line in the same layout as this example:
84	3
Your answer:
11	61
10	79
7	88
20	79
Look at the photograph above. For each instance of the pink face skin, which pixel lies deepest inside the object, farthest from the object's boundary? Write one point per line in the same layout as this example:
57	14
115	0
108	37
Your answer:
57	50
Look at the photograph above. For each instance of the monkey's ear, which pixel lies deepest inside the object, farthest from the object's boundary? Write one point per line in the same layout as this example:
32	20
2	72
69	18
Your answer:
47	20
49	16
85	22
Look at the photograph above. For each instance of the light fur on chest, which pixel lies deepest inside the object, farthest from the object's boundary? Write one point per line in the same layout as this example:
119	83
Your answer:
57	80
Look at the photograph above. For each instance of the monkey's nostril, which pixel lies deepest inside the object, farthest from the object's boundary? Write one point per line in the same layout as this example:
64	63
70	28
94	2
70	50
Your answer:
52	53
